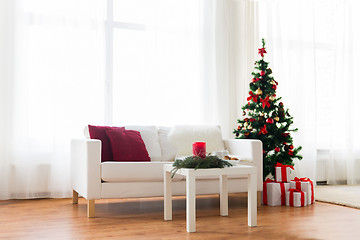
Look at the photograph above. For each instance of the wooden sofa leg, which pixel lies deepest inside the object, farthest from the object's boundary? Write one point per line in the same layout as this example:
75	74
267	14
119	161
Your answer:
259	199
91	208
75	197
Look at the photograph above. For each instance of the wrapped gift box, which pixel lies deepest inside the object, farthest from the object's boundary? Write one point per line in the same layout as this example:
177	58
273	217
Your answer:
282	172
305	185
296	198
274	193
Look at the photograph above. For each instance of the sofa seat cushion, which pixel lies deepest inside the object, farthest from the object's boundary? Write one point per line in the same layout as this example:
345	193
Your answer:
134	172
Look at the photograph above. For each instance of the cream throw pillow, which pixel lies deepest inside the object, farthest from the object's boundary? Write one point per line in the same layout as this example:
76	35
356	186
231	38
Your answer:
183	136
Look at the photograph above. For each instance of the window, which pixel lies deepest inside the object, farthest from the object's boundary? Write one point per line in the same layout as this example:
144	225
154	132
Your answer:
153	58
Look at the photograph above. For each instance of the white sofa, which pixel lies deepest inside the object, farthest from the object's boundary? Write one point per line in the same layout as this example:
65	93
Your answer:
94	179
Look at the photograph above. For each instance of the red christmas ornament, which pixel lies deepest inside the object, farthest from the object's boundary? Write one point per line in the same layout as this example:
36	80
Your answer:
270	120
281	104
252	119
274	87
284	143
254	80
262	51
285	134
262	73
291	152
246	119
291	147
238	128
277	149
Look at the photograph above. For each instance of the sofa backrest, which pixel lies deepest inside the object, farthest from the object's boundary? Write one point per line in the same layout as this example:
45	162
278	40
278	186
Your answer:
167	148
183	136
150	136
167	143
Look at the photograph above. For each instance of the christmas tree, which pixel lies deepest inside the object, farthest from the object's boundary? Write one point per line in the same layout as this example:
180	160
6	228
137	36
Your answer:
266	119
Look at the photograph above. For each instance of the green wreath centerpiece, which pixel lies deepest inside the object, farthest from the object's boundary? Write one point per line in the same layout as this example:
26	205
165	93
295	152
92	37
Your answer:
197	162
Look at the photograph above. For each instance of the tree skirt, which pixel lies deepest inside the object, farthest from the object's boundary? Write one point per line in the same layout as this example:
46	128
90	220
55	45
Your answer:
346	195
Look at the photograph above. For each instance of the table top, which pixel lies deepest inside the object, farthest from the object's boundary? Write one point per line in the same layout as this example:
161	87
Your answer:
237	169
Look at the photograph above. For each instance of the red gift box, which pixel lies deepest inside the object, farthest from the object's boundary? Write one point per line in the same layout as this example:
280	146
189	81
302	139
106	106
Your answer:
274	193
296	198
282	172
305	185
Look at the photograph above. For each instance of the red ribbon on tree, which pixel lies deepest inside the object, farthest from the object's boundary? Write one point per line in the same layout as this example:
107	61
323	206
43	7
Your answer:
291	199
263	130
265	102
283	170
252	96
305	179
262	51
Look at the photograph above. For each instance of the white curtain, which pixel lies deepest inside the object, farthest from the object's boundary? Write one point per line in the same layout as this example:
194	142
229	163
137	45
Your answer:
50	79
313	50
66	64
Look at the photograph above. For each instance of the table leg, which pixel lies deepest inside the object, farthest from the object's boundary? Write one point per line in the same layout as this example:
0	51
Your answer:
190	204
167	196
252	202
224	195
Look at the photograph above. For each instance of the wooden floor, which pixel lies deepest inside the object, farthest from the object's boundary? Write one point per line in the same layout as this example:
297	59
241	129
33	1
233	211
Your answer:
143	219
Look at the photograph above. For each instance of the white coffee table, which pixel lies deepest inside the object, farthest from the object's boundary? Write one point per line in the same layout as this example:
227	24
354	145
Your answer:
223	173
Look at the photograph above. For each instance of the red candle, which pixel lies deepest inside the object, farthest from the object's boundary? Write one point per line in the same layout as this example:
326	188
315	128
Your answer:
199	149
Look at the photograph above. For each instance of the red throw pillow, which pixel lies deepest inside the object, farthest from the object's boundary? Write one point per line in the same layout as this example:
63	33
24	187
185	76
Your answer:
127	145
99	132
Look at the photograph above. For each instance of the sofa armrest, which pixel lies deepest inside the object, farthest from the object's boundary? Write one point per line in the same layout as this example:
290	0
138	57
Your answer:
250	150
85	167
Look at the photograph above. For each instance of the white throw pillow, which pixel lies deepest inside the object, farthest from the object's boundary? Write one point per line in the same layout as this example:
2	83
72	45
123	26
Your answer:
183	136
168	150
150	136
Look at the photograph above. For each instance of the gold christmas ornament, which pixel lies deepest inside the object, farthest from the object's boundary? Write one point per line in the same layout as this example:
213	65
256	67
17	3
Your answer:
246	124
258	91
271	98
250	127
276	118
273	82
261	114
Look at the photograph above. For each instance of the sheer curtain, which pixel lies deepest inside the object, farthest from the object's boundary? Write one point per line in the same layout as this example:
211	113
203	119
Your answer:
313	52
65	64
50	80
